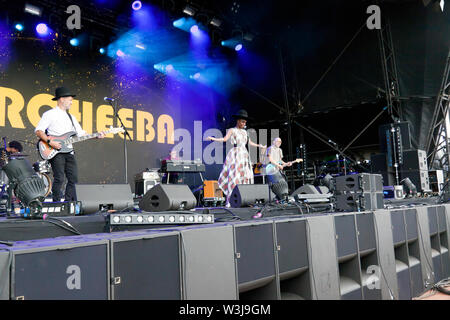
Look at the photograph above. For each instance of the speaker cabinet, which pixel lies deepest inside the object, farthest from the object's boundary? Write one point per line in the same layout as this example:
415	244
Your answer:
167	197
293	264
209	263
5	272
362	182
347	250
146	266
95	197
255	256
71	268
244	195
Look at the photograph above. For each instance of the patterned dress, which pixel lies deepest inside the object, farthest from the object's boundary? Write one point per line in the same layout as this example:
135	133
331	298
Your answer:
237	168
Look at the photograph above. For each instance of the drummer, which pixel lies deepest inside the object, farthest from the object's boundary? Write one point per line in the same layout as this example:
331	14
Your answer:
14	147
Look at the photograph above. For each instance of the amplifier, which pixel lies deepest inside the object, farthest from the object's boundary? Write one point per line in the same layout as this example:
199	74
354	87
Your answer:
56	209
211	189
148	175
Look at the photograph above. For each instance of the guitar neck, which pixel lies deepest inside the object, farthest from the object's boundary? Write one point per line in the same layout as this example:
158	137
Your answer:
85	137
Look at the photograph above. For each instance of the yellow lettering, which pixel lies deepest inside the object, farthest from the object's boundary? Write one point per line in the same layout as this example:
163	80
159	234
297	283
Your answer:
144	126
105	118
127	118
13	112
166	129
87	116
35	104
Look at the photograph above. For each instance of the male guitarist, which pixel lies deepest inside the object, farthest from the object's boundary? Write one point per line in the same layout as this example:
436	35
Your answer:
274	155
56	122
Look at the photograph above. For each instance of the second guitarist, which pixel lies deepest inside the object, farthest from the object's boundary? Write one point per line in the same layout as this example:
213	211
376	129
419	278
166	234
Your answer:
274	155
56	122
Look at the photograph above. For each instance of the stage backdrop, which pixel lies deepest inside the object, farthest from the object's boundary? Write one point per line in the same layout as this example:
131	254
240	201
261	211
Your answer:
152	107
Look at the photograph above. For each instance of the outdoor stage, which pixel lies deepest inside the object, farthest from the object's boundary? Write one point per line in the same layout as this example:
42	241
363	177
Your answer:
396	253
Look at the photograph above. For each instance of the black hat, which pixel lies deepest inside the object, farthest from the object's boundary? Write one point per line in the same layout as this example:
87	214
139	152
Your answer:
241	114
62	92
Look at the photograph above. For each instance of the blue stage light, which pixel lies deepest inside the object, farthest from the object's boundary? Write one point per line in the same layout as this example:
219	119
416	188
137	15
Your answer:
42	29
194	29
178	23
74	42
19	27
238	47
136	5
169	68
102	50
196	76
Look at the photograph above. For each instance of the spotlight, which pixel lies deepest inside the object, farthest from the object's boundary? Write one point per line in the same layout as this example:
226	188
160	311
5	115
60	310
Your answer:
178	23
120	53
74	42
216	22
140	46
33	10
189	11
101	50
194	29
409	187
249	37
19	27
42	29
136	5
238	47
196	76
169	68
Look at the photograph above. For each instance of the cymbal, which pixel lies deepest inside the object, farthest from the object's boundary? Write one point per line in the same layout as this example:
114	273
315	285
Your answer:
18	155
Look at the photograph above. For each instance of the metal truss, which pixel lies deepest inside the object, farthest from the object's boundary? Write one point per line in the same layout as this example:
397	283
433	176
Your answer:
437	138
389	70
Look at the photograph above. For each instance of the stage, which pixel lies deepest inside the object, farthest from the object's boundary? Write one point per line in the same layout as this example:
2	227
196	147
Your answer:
395	253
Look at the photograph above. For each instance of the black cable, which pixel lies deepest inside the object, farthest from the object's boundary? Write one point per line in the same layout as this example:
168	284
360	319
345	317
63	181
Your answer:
63	227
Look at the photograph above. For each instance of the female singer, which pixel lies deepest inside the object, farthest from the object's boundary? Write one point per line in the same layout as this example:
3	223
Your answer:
237	168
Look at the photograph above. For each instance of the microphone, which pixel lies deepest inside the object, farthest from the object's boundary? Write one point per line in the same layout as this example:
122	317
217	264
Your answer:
108	99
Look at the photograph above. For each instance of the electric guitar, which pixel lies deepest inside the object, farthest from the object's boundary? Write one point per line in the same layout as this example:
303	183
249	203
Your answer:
47	152
272	169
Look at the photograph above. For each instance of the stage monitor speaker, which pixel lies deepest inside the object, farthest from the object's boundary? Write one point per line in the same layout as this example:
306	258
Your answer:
244	195
95	197
166	197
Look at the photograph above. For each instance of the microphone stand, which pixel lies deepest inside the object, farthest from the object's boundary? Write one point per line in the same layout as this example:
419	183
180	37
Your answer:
125	153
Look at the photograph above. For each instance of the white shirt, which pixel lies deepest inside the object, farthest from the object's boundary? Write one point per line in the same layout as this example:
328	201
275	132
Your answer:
57	123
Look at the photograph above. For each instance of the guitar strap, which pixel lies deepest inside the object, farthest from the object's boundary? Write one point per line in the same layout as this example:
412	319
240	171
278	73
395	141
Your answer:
71	120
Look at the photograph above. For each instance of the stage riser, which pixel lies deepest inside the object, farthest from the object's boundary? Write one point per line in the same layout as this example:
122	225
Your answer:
319	256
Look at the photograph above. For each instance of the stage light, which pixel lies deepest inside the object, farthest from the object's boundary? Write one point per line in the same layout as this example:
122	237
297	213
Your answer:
140	46
171	219
147	218
42	29
33	10
189	11
216	22
238	47
194	29
178	23
222	43
150	219
74	42
140	219
101	50
19	27
169	68
120	53
136	5
196	76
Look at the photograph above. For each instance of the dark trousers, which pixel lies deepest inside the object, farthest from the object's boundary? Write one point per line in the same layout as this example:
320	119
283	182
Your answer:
64	164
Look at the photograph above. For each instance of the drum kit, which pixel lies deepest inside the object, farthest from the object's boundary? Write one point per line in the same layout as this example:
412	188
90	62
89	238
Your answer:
29	183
